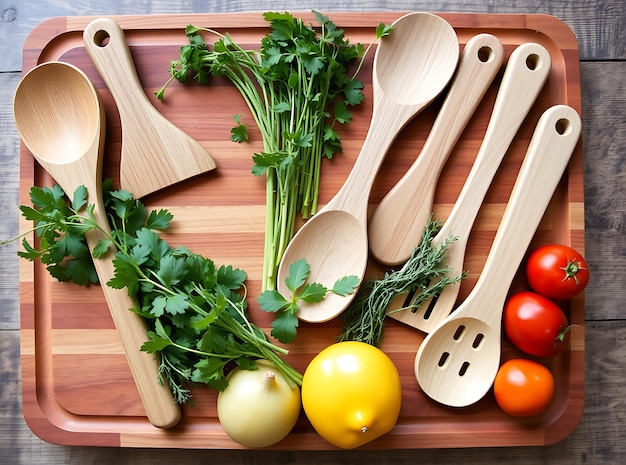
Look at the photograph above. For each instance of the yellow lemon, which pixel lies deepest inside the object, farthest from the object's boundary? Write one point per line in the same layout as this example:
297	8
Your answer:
351	394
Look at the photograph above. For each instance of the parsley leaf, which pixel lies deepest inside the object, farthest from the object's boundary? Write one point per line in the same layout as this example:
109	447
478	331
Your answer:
239	133
285	324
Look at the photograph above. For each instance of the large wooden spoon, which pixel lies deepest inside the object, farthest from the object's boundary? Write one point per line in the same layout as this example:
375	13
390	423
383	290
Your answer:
155	152
457	362
526	73
61	121
411	67
397	224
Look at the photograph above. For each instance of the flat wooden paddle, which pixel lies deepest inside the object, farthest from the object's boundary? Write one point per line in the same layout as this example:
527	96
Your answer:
155	153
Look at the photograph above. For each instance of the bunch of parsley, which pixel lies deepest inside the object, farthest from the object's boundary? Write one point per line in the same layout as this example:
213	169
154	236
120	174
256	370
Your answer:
297	88
196	311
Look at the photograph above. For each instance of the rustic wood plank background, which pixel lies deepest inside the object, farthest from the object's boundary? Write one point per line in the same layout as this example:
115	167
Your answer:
599	439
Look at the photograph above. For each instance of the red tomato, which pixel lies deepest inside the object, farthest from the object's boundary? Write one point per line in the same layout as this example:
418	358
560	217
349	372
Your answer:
557	271
535	324
523	388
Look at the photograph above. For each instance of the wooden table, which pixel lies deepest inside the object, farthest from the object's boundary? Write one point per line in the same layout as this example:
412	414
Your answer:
599	437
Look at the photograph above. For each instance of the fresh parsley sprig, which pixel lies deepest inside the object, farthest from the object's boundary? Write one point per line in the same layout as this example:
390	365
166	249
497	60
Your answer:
285	324
196	311
299	88
60	231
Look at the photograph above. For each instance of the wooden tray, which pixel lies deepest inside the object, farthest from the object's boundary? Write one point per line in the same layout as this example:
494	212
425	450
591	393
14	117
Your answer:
77	388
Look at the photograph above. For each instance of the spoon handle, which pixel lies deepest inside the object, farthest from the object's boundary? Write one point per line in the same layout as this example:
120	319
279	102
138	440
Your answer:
521	84
156	397
549	151
396	225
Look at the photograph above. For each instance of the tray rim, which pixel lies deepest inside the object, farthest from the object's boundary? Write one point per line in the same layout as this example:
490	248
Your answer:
62	25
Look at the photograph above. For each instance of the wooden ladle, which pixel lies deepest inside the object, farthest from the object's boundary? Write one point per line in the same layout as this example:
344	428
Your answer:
411	67
155	152
456	364
61	121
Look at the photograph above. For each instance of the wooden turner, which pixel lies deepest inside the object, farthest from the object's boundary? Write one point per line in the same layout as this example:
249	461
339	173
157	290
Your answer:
525	75
155	153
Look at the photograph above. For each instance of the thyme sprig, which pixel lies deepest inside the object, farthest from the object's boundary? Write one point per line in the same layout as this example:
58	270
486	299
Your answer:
424	274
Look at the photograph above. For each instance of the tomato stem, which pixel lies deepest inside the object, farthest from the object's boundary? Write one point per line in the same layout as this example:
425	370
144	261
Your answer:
562	333
572	269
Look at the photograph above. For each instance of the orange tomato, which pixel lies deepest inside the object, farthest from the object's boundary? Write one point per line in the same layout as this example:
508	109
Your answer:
523	387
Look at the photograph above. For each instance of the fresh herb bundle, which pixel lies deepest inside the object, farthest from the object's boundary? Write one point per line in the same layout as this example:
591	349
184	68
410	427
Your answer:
424	274
196	311
297	88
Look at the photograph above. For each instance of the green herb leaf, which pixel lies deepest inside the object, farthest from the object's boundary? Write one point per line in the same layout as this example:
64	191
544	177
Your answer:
383	30
285	327
101	249
239	133
298	274
346	285
272	301
313	293
79	200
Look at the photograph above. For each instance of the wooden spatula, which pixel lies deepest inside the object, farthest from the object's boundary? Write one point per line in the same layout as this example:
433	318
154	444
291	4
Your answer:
155	153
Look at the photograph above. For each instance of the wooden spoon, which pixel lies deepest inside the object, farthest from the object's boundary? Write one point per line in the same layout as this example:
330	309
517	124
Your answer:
155	153
411	67
397	224
526	73
457	362
61	121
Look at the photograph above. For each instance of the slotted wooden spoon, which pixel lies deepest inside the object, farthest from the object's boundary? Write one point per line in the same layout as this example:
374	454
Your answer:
155	153
61	121
526	73
411	67
396	226
457	362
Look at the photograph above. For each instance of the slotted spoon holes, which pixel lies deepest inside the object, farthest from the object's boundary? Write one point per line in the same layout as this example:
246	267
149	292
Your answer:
460	336
456	366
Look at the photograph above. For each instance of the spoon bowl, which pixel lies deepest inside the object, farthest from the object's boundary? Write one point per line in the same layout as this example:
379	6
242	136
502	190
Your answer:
411	67
60	119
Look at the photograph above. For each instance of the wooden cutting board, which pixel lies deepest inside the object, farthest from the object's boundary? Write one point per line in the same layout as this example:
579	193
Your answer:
77	388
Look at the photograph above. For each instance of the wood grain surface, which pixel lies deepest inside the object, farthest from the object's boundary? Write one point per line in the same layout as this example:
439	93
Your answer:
58	353
599	439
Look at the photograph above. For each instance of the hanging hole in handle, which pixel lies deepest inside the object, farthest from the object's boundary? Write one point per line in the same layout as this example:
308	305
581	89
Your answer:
485	54
563	126
101	38
533	61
